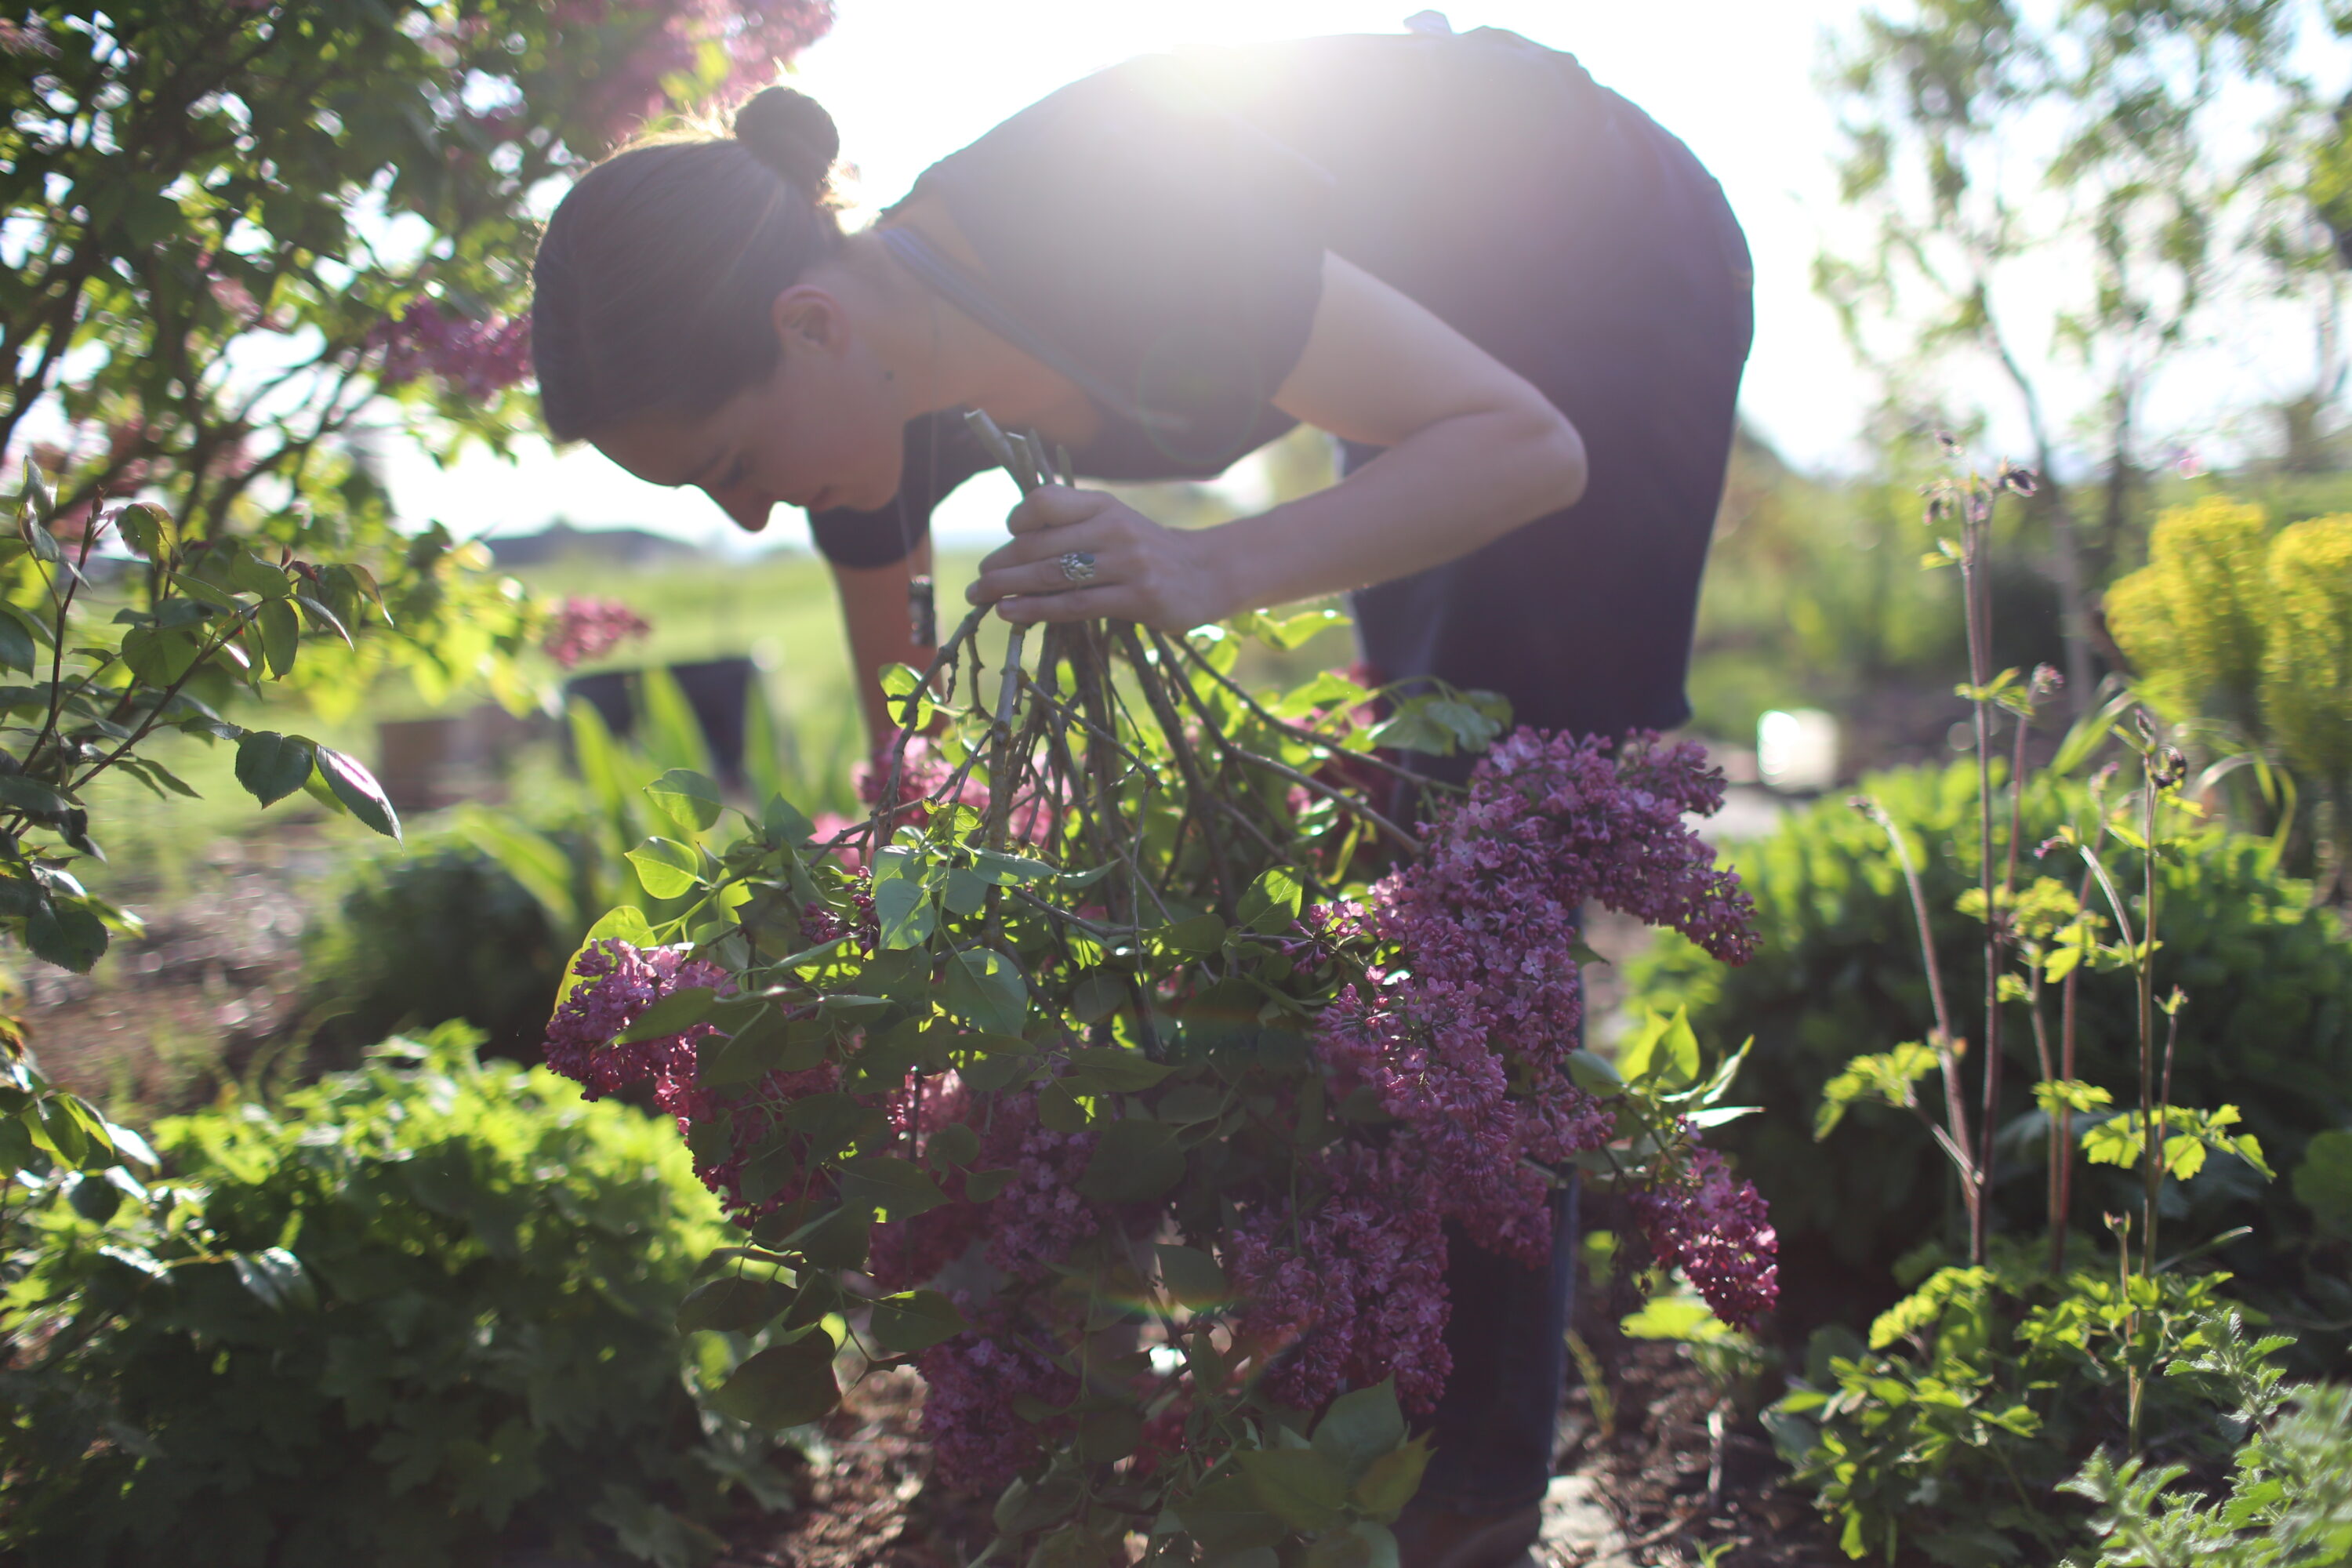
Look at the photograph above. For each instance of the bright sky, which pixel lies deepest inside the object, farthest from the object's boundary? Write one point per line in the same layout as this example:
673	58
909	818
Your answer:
910	80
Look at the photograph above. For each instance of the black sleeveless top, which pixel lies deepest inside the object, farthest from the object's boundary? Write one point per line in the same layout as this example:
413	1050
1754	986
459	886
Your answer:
1163	224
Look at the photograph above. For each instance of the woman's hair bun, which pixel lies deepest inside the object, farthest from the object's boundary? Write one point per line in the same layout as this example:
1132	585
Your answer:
791	132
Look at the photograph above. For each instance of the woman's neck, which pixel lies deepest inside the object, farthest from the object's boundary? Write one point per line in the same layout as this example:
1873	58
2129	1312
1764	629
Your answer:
938	357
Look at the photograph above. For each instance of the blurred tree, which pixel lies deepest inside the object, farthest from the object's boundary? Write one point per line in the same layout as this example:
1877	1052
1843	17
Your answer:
2070	192
231	226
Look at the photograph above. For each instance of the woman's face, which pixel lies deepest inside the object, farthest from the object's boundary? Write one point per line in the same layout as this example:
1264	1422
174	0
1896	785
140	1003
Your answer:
822	431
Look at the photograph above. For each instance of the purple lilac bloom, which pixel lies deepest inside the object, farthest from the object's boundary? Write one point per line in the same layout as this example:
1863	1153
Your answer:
970	1383
480	357
1350	1291
584	628
1717	1231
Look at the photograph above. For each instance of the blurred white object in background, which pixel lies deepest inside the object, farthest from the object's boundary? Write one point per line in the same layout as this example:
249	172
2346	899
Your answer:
1797	752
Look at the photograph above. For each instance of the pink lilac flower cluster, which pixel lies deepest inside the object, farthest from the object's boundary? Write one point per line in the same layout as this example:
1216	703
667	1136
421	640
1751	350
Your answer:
1717	1231
1350	1291
586	629
1464	1039
617	983
971	1383
923	773
481	358
756	37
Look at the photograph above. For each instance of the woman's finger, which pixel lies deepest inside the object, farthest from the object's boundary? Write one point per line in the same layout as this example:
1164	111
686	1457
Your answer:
1046	576
1054	506
1116	601
1095	535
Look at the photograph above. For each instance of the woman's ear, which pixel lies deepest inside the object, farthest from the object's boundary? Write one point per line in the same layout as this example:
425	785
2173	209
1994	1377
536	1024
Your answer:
807	316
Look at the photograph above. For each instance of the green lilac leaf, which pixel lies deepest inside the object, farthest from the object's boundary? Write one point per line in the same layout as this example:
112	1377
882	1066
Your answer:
665	868
783	1386
1304	1489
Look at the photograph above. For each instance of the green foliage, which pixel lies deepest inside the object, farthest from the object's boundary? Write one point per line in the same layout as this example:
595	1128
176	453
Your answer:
2268	1027
2308	664
442	932
2289	1501
1948	1432
413	1312
2192	619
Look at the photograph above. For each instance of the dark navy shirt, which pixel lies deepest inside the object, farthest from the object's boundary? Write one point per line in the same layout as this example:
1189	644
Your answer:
1164	222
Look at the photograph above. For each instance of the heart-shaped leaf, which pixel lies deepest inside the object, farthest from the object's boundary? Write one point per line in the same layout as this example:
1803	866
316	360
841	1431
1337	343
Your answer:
985	989
783	1386
732	1303
915	1321
667	869
890	1187
686	798
1133	1161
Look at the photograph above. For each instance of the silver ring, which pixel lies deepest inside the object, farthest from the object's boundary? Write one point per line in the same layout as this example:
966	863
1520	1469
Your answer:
1077	566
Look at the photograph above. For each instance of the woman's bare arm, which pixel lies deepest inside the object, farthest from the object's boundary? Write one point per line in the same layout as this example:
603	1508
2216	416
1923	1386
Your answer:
874	612
1472	451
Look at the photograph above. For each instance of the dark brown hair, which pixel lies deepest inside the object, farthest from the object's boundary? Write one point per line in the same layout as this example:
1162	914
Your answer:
653	283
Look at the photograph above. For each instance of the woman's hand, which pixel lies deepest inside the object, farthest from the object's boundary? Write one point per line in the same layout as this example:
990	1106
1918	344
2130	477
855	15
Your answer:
1164	578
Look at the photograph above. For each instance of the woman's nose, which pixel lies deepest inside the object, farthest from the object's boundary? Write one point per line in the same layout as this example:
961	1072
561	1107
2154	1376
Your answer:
746	513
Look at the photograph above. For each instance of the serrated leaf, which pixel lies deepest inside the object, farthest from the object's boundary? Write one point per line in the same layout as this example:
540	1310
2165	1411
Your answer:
323	616
356	787
16	649
281	635
145	529
22	794
783	1386
67	933
667	869
159	657
275	1279
272	766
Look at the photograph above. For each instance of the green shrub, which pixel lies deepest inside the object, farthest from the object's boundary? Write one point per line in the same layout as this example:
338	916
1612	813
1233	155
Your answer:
417	1313
2268	1027
437	934
1951	1432
2290	1499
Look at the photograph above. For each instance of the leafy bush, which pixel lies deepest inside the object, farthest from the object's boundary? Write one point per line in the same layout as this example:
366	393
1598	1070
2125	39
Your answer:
2290	1500
444	934
418	1312
2233	622
2266	1028
1978	1396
